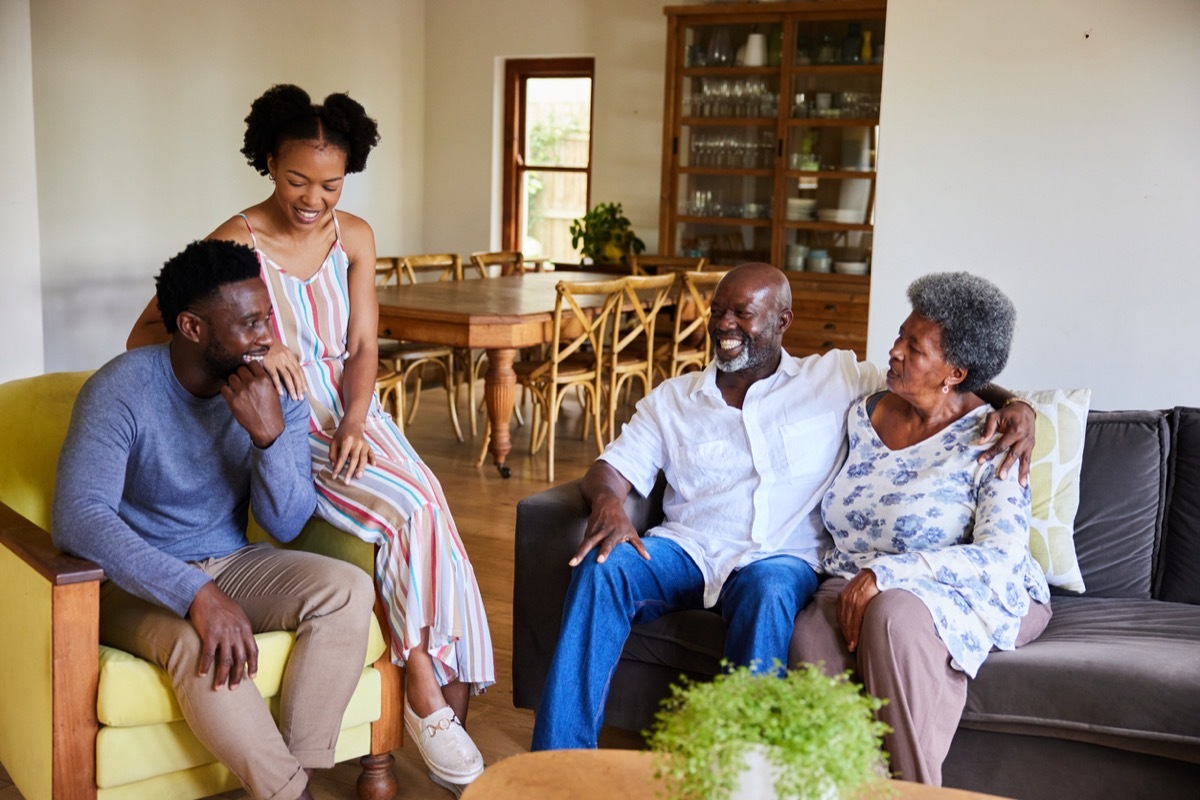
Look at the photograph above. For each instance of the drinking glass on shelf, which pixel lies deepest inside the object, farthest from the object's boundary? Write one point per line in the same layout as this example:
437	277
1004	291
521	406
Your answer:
720	48
766	148
738	101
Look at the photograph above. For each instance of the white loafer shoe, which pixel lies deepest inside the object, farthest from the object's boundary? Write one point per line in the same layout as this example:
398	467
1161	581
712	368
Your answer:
455	789
445	746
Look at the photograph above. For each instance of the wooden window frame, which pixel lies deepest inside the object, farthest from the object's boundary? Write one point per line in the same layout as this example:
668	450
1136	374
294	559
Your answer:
517	71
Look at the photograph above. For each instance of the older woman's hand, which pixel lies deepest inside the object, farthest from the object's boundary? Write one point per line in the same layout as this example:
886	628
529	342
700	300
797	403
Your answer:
852	606
1015	423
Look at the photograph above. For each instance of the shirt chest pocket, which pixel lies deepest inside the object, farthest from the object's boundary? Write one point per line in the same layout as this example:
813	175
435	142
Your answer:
811	445
707	468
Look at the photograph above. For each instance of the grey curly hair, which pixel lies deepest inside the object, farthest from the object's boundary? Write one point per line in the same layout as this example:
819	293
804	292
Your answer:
976	319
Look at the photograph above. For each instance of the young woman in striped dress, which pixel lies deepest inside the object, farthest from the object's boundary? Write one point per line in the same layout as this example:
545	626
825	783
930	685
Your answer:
319	267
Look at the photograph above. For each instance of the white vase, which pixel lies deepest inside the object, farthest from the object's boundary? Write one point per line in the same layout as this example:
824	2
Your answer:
758	776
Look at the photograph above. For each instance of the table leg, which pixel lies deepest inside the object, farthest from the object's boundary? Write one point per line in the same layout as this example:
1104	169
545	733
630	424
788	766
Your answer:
499	393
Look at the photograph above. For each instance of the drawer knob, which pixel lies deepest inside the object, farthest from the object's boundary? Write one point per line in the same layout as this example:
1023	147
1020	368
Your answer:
831	306
831	326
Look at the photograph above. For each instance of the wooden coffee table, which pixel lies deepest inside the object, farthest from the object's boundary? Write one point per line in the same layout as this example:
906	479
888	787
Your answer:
619	775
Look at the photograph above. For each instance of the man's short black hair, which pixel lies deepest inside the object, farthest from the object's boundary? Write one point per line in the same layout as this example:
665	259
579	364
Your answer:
198	272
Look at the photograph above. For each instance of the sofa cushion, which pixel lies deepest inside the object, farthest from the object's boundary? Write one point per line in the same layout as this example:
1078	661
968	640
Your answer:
133	692
1114	671
1181	535
1122	489
1054	482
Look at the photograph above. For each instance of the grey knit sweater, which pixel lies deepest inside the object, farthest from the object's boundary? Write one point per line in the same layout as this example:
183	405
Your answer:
152	477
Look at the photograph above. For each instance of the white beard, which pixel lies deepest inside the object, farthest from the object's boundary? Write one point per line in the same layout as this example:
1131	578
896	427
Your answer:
735	364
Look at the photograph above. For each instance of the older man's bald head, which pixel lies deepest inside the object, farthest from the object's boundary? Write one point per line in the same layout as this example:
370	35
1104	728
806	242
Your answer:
750	310
757	275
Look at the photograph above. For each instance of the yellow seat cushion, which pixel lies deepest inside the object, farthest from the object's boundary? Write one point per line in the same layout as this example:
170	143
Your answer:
133	692
128	755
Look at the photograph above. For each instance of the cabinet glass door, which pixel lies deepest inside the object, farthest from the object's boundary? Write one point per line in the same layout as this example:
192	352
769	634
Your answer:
728	141
835	76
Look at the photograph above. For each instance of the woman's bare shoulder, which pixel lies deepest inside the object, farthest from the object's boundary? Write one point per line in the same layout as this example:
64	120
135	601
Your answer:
234	229
358	240
353	225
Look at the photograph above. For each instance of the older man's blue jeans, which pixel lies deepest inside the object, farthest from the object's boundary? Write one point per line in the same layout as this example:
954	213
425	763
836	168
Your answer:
759	603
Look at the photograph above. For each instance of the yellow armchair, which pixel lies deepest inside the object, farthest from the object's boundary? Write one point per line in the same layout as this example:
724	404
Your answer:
79	720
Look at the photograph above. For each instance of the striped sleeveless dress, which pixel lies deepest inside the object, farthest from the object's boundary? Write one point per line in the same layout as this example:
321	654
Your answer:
421	566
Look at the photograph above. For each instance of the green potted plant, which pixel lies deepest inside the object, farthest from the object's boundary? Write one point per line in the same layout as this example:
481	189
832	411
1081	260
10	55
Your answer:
605	235
816	736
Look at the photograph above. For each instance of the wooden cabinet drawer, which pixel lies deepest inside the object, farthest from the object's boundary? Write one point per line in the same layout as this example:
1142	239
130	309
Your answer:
810	326
830	308
800	343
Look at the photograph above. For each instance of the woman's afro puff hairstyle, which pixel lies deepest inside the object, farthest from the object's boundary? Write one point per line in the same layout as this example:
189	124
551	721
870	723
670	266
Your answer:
285	112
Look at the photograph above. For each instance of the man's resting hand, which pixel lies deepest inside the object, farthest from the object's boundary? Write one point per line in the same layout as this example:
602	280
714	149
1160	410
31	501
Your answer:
226	636
608	526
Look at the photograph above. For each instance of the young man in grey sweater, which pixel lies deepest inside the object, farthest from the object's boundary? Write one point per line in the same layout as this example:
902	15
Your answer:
168	449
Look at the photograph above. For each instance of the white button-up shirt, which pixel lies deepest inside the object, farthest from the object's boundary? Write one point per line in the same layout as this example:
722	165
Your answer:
745	484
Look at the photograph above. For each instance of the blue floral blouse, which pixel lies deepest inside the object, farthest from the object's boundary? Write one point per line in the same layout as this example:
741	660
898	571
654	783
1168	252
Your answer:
930	520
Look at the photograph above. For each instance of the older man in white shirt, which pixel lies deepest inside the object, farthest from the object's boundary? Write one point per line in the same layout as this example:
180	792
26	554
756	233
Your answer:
748	447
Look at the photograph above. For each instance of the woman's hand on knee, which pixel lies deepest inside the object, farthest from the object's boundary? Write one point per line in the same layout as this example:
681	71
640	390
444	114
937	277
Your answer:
852	606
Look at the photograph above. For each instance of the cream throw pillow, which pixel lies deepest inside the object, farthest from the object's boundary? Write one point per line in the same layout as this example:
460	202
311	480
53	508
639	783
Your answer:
1054	482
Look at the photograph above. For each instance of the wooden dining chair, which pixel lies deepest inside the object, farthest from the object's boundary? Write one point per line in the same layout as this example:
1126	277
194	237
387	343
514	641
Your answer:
572	361
387	273
510	262
402	360
433	266
657	265
688	346
629	352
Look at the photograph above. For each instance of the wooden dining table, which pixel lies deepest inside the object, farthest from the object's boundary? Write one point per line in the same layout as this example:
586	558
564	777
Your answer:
499	315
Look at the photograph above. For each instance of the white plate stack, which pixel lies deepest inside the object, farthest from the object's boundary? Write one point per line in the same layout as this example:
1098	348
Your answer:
844	215
800	208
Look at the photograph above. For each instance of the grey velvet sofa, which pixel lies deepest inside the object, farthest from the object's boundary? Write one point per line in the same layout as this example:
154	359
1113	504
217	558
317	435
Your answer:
1105	704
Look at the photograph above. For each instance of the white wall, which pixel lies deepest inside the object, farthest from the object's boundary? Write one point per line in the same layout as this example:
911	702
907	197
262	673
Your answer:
467	42
20	269
139	109
1051	147
1060	166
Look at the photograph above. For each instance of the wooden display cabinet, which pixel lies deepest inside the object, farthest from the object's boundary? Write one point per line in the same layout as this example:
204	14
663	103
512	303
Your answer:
772	157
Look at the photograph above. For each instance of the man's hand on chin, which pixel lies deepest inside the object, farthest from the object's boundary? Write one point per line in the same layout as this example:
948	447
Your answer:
252	398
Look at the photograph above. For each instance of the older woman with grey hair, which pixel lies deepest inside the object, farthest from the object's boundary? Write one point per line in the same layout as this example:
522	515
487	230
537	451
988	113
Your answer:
929	563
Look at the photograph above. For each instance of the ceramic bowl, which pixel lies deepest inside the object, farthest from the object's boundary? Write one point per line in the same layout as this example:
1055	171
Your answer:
850	267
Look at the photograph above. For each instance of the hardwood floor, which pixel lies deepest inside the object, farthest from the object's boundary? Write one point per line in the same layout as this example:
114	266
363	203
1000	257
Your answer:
484	507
